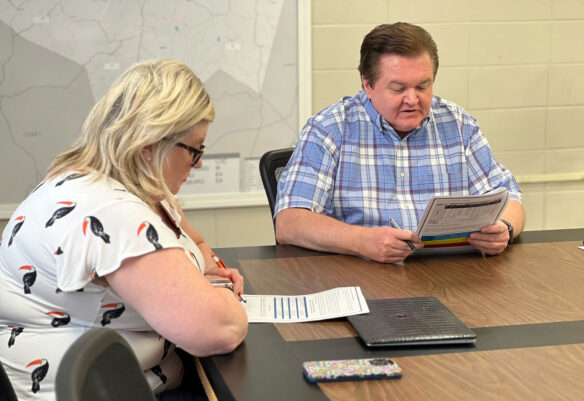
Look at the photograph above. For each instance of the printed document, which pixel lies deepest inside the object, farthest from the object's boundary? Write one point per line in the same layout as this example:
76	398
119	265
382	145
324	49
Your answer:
449	220
331	304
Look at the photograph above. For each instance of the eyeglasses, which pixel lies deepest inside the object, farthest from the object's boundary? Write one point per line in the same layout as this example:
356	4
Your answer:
196	153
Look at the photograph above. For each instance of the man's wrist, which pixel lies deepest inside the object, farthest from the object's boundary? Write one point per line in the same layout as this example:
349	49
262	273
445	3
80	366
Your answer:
510	229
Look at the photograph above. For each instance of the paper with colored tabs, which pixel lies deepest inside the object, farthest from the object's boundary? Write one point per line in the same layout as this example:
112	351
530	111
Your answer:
449	220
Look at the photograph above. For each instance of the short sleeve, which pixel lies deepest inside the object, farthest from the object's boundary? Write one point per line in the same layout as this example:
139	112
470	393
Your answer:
98	242
484	172
308	180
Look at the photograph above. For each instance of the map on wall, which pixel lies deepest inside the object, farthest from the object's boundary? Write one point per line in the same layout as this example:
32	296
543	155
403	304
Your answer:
57	57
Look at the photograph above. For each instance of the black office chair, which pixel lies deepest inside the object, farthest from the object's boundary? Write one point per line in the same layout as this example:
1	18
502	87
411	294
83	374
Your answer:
272	165
101	366
6	390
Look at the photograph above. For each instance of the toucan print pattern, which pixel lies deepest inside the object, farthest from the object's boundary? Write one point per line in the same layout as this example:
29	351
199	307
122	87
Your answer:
68	233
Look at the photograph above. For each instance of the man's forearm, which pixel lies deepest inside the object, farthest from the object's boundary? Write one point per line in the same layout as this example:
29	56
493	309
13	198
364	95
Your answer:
515	215
311	230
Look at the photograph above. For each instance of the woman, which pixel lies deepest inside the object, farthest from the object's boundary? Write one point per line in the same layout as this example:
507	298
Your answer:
102	242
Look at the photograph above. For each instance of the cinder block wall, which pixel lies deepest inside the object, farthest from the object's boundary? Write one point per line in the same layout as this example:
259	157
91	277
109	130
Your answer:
517	66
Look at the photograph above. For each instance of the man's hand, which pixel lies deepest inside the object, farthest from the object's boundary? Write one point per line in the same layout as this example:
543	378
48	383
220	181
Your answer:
492	239
302	227
388	245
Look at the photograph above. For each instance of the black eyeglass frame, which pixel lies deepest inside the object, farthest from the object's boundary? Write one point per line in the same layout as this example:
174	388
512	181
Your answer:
196	153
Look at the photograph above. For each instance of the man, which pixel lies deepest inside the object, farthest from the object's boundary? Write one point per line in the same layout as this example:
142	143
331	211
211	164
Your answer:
383	154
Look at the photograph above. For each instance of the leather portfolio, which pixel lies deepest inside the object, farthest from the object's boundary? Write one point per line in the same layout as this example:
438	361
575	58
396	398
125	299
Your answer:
410	321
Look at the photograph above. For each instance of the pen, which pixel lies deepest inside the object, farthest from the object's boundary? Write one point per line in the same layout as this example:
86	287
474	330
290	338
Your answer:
220	263
397	227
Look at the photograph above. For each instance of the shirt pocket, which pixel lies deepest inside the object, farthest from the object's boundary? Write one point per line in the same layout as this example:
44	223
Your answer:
441	179
457	182
424	178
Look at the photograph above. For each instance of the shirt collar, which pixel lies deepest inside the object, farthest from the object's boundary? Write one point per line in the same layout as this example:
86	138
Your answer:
380	122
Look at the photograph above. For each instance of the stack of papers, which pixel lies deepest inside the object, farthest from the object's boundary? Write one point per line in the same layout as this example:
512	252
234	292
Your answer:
449	220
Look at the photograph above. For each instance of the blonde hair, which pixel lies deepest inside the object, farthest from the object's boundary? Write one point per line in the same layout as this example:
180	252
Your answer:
153	102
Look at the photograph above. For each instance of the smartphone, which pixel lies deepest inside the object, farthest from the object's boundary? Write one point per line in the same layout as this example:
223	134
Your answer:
351	369
226	283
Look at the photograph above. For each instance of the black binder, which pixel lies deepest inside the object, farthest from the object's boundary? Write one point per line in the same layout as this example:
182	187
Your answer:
410	321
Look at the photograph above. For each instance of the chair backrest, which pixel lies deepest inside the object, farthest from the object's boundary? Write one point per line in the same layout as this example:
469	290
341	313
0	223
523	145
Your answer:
272	165
100	366
6	390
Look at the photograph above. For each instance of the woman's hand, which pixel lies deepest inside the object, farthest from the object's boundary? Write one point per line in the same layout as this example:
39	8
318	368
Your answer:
216	272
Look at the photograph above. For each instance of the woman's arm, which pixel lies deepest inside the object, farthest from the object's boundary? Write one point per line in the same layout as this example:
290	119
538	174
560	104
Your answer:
197	239
179	303
210	265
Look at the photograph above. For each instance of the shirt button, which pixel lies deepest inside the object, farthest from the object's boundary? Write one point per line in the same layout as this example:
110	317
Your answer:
402	175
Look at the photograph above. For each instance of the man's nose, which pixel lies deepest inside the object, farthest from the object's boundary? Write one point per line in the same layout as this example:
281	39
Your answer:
410	96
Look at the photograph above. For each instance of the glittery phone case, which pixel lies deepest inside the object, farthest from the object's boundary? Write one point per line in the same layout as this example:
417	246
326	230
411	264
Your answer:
351	369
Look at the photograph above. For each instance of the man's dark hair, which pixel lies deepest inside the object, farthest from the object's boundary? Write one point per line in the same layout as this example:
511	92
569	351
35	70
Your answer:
400	38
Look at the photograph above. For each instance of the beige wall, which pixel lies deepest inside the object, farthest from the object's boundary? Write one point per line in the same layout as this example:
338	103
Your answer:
517	66
228	227
244	226
3	225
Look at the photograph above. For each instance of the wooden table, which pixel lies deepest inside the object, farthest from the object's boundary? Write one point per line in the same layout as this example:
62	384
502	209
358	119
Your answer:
526	307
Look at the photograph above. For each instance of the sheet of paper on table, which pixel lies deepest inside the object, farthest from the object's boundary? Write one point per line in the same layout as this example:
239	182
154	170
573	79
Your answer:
330	304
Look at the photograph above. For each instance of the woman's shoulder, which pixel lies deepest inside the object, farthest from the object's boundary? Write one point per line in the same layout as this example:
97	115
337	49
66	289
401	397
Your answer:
75	199
91	189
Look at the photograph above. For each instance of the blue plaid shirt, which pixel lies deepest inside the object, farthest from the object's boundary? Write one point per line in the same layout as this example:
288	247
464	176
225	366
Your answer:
350	164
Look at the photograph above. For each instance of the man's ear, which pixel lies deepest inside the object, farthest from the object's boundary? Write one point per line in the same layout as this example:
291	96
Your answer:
366	86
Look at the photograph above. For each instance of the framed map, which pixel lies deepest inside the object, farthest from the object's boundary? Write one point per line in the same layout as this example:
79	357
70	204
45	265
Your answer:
57	57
